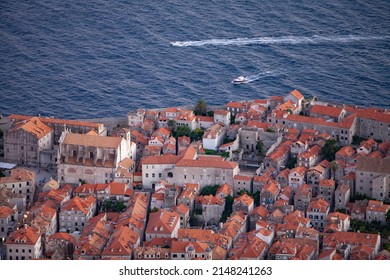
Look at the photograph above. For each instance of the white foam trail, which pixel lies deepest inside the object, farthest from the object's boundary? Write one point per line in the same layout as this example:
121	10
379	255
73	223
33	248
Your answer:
285	40
255	77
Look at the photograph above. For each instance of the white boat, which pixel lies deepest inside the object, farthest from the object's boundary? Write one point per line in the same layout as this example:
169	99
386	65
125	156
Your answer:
240	80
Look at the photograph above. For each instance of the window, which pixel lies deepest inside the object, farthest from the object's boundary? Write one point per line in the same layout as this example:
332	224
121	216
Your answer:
147	175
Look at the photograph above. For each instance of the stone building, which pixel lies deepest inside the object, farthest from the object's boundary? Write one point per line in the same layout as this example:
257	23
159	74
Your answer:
27	141
24	244
373	177
92	158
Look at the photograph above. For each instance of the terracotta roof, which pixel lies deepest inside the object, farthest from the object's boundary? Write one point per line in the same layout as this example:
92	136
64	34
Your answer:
271	188
209	200
346	151
92	140
261	211
326	110
6	211
181	209
326	183
225	189
337	216
245	199
182	247
25	235
205	119
162	222
63	236
208	162
276	98
242	177
121	242
78	204
377	206
345	123
19	175
33	126
221	112
258	124
320	205
352	238
300	170
58	121
163	159
297	94
374	114
235	105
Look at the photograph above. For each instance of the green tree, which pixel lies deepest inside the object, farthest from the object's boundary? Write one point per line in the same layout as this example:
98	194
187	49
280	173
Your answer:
260	147
228	208
232	119
193	221
270	130
329	150
82	181
183	130
200	108
171	124
292	162
244	192
155	209
342	210
209	190
333	168
197	134
359	196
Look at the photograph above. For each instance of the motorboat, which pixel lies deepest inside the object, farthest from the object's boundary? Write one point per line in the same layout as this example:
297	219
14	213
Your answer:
240	80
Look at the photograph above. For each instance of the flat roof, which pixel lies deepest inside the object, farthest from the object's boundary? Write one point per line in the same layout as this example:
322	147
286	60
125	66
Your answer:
6	165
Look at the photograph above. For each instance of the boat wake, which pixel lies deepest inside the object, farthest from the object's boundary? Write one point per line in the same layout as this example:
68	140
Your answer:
284	40
254	77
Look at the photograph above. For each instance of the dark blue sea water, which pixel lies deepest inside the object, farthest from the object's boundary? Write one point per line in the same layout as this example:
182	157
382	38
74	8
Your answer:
85	59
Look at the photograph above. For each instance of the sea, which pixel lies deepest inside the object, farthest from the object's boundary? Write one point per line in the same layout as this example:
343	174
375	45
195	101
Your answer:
95	58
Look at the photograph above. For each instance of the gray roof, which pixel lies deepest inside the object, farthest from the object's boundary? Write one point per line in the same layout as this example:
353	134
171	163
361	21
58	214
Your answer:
375	165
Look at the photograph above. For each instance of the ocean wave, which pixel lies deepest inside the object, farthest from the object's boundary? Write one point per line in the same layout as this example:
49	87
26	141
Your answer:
284	40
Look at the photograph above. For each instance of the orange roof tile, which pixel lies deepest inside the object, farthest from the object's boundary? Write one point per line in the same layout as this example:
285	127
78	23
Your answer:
296	94
78	204
63	236
26	235
221	112
319	204
326	110
162	222
207	162
58	121
6	211
34	126
242	177
92	140
209	200
235	105
245	199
